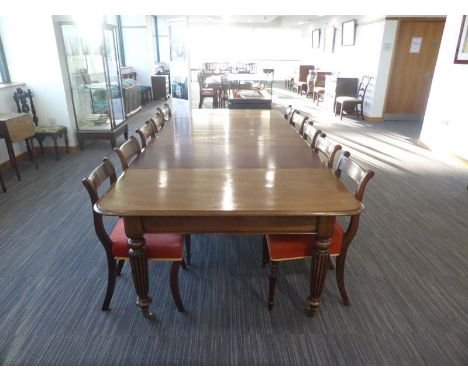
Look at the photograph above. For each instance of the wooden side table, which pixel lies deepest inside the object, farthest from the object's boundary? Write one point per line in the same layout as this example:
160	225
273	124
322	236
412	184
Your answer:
15	127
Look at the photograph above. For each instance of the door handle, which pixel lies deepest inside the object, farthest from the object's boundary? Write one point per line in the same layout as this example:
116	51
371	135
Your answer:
429	75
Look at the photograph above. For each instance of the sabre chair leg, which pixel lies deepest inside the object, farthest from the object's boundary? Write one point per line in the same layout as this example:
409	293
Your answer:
120	265
175	285
340	264
187	245
111	275
273	277
266	256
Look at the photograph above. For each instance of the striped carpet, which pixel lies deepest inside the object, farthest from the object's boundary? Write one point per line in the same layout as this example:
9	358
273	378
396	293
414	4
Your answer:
406	273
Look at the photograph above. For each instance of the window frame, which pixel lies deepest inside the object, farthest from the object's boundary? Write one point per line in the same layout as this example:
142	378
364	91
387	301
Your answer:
4	73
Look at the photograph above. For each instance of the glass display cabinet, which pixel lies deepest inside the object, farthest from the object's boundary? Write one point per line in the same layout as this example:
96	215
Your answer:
93	68
250	91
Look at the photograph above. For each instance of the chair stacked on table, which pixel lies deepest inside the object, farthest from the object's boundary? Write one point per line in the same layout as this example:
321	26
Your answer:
286	247
159	247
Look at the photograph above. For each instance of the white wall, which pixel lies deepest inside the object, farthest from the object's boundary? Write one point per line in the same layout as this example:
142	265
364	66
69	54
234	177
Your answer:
369	56
446	108
31	51
138	47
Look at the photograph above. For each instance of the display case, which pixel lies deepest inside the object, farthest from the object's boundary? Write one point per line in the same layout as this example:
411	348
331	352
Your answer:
93	70
250	91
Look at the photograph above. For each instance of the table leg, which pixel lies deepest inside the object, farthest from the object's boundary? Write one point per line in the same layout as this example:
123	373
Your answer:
11	153
139	264
320	263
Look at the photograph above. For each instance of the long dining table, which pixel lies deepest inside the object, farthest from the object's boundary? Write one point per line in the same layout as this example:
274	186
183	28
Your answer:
231	172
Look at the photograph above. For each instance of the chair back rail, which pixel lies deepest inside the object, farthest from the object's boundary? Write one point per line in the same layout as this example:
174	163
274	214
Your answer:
360	179
146	133
298	121
105	171
326	148
311	133
128	151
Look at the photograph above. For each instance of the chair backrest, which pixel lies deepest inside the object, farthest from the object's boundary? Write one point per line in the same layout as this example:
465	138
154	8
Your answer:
146	133
157	121
165	111
92	183
288	112
21	98
128	151
310	133
363	87
298	121
360	178
325	148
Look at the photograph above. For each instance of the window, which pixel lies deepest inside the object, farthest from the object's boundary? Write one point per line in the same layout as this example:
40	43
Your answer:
4	74
155	34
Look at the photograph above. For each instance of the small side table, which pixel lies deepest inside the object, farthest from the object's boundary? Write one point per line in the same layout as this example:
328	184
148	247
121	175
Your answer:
15	127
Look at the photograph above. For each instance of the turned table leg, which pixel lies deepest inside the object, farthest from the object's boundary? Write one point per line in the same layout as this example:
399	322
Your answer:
320	263
139	264
11	153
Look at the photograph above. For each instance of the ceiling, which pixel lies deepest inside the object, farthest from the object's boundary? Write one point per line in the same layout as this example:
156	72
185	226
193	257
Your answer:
269	20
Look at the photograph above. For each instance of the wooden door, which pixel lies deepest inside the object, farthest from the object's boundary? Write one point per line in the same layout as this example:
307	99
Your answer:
413	66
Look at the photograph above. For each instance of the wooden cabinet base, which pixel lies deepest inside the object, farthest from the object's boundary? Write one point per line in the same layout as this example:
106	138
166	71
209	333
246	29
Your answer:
110	135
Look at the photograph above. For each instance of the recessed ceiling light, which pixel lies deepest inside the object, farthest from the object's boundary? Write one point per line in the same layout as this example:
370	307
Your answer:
249	20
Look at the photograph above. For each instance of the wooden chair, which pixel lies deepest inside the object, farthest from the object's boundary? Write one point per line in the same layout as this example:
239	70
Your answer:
159	247
223	93
278	247
326	149
146	133
298	121
157	121
2	182
319	87
310	133
288	113
22	98
128	151
206	92
166	111
353	105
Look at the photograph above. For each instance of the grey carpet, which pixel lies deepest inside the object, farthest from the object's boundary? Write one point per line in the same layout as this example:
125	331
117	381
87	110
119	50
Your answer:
406	273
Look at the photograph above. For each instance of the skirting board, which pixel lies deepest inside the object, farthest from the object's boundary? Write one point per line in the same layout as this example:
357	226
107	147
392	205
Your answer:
373	119
47	150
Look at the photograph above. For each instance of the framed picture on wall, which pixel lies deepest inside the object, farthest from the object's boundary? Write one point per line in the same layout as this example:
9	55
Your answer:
348	33
316	38
461	54
329	43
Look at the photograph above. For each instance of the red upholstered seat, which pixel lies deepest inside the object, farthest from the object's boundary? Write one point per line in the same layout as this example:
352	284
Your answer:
158	246
207	92
289	247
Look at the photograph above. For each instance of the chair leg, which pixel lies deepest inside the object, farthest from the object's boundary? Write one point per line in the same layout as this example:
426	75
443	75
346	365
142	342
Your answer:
266	256
120	265
28	147
362	111
340	264
341	111
335	108
273	276
187	246
111	275
175	285
54	138
65	137
2	183
201	101
33	152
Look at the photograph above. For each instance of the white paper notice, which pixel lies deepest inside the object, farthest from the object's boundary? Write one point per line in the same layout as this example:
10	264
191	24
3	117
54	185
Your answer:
415	46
